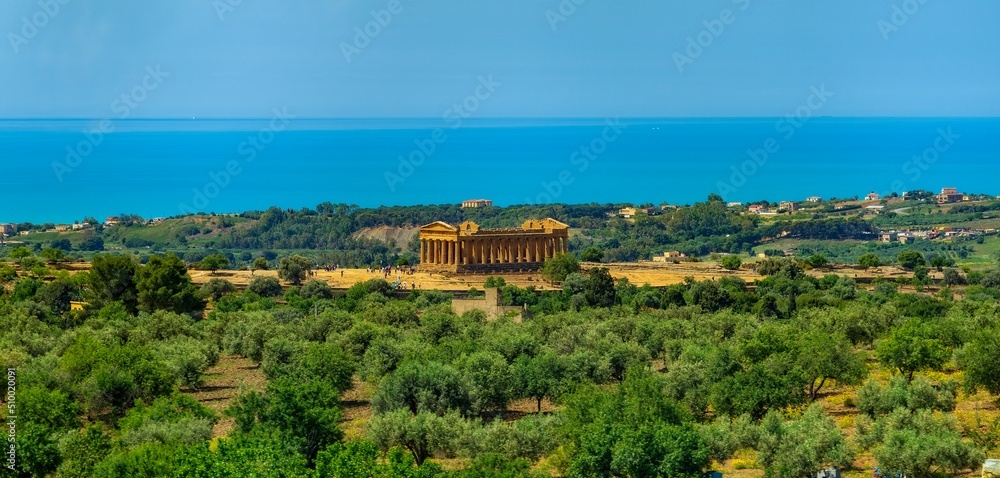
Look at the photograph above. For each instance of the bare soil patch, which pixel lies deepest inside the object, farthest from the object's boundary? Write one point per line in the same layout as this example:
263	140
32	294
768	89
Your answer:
231	377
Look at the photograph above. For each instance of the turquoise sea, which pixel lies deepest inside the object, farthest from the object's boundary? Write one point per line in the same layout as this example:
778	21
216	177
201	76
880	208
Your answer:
63	170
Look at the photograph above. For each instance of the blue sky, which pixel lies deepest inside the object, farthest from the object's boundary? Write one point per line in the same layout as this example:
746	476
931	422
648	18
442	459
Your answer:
243	58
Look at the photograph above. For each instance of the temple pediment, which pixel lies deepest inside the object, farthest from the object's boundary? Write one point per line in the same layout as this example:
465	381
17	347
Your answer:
438	226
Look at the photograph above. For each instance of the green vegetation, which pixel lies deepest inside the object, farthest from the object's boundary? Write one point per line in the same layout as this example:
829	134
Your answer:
601	377
624	380
731	262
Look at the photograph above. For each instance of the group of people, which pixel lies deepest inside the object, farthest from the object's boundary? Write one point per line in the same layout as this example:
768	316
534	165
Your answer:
334	268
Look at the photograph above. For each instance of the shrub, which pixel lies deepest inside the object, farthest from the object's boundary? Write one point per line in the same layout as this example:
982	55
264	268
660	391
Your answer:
316	289
265	287
731	262
217	288
428	387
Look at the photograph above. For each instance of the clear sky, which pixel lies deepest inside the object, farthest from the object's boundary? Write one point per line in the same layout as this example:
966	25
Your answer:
243	58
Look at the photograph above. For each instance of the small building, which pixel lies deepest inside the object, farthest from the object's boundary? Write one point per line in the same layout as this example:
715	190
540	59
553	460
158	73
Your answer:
76	305
112	221
627	212
906	238
665	206
887	236
669	256
875	209
789	206
9	229
950	195
756	209
476	203
81	226
814	199
62	227
873	196
491	304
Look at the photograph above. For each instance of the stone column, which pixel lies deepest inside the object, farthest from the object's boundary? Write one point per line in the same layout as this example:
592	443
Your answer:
505	250
423	251
454	251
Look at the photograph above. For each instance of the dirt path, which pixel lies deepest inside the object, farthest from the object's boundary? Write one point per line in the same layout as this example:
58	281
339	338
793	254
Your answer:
231	377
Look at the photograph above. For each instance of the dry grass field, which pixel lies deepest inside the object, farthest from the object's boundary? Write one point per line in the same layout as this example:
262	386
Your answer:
653	273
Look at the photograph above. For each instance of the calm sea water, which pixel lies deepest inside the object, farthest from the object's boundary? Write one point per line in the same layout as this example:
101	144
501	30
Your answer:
61	171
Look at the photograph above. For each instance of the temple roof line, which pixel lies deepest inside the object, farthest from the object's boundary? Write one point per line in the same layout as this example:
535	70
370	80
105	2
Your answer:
531	226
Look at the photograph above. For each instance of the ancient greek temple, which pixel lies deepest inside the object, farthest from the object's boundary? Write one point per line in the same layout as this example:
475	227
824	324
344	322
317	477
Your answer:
470	248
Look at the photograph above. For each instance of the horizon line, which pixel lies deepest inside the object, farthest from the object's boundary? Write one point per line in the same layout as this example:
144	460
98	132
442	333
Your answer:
397	118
